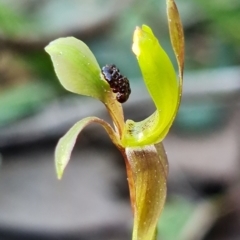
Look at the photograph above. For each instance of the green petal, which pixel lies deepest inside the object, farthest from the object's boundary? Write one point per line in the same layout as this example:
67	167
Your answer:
162	84
76	67
78	71
149	171
66	143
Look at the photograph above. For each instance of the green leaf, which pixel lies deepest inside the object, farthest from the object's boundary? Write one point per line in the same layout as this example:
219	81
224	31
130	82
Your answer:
76	67
148	188
162	84
66	143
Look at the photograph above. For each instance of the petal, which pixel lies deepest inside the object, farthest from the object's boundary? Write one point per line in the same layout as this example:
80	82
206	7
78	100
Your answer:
66	143
76	67
163	87
176	35
148	166
78	71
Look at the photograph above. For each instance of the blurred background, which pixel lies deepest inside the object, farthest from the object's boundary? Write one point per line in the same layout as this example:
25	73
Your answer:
91	201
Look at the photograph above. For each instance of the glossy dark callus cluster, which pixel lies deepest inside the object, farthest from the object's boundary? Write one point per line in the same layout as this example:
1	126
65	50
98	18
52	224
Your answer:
118	83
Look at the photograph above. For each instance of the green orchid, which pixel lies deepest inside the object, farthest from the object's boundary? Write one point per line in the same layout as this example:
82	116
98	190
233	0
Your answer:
139	142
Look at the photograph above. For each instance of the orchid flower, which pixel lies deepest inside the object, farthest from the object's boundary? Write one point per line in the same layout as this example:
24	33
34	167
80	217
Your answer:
139	142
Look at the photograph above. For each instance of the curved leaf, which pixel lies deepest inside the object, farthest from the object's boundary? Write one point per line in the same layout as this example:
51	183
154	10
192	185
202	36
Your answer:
76	67
161	82
148	188
66	143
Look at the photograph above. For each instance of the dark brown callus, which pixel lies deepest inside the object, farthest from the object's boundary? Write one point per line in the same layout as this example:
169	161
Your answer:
118	83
